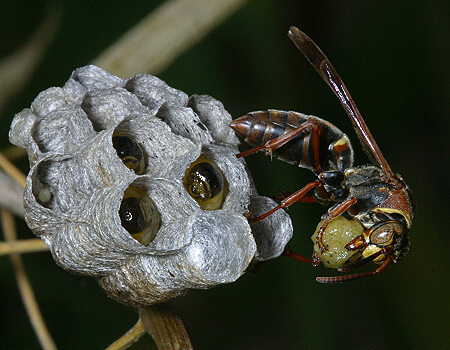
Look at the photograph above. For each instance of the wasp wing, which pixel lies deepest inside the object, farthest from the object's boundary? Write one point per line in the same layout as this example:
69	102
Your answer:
323	66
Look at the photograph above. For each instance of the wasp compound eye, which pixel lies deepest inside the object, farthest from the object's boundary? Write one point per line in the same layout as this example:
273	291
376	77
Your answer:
384	234
139	215
205	183
130	153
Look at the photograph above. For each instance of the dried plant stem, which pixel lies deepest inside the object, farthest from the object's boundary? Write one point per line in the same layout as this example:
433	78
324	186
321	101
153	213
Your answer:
165	327
26	291
14	152
16	69
129	338
23	246
12	171
159	38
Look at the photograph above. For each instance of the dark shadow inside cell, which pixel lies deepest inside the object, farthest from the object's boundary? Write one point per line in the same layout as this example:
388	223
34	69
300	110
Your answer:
43	187
130	148
86	106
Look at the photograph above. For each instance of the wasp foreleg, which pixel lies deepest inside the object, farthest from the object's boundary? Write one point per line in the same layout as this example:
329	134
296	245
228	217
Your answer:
337	211
289	200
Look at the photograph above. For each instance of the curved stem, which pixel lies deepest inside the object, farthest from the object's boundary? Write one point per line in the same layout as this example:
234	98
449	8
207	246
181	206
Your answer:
129	338
165	327
26	291
22	246
12	171
164	34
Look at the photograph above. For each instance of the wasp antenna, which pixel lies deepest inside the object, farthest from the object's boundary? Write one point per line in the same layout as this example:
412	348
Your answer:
323	66
340	279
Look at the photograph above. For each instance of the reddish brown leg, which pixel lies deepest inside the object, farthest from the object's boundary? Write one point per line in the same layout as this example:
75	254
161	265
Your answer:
256	267
291	254
276	143
356	243
289	200
305	199
331	215
316	259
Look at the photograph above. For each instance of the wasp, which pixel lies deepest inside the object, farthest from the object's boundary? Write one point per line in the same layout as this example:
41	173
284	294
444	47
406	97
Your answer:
371	195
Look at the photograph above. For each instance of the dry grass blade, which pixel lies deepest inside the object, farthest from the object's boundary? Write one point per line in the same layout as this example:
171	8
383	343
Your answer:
12	171
12	183
31	245
16	69
129	338
160	37
12	195
26	291
14	152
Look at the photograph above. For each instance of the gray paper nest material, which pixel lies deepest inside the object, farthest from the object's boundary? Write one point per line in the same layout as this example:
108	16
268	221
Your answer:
68	132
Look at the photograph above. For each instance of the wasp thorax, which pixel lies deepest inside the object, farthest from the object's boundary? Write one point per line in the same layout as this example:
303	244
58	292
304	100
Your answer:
139	215
130	152
384	234
205	183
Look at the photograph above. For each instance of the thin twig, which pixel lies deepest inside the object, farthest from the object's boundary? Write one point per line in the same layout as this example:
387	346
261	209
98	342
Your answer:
12	184
155	42
129	338
12	171
16	69
31	245
25	288
165	327
14	152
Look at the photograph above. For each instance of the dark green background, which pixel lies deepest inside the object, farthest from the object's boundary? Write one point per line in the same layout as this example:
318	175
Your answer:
393	56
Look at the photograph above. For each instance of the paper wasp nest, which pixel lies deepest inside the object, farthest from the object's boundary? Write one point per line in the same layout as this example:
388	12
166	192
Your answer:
137	184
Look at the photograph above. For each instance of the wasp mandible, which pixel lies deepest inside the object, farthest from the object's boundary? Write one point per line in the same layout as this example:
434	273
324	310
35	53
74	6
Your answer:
371	195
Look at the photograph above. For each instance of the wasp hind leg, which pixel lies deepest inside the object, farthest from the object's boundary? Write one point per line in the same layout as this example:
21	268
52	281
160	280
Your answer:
283	195
272	145
294	255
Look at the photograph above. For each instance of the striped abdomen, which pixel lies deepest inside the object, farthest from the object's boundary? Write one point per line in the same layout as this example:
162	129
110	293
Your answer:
332	152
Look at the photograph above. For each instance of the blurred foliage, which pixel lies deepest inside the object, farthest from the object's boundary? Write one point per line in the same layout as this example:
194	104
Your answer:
393	57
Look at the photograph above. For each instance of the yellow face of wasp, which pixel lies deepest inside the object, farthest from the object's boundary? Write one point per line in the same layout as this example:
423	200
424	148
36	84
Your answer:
381	235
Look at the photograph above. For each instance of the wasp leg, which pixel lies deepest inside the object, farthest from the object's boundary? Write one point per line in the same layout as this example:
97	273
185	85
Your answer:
341	208
316	259
283	194
272	145
289	200
356	243
256	267
339	279
291	254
